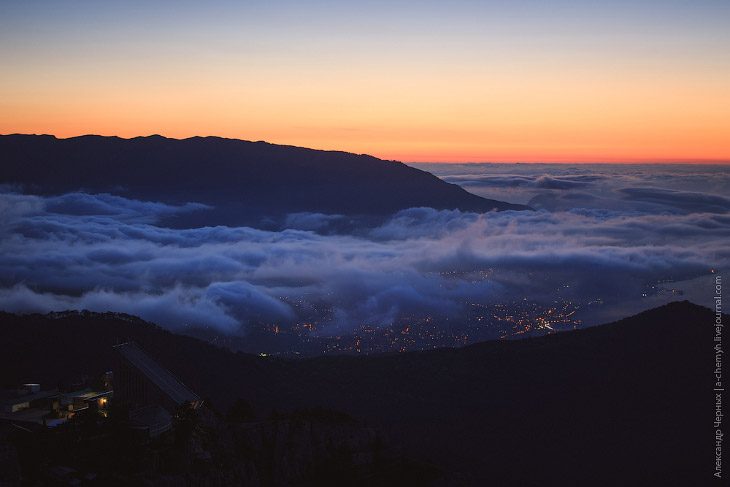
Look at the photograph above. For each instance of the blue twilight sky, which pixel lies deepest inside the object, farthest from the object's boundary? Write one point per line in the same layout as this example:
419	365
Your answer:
453	81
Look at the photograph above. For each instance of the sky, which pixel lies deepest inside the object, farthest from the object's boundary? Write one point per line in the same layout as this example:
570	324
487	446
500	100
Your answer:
458	81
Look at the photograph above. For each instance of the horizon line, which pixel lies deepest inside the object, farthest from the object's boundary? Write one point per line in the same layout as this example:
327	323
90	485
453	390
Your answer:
597	161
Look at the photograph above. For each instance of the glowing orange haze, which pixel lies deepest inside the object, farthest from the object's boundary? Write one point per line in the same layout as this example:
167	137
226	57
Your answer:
459	116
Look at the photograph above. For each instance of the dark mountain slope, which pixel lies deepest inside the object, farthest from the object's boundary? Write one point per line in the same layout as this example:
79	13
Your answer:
625	403
241	179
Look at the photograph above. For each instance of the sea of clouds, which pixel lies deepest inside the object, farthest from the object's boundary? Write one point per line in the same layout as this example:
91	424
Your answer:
615	235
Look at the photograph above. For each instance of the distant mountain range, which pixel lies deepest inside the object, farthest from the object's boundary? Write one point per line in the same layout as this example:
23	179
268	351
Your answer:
620	404
244	181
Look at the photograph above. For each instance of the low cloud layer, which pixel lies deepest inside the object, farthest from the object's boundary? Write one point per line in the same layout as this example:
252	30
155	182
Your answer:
103	252
555	187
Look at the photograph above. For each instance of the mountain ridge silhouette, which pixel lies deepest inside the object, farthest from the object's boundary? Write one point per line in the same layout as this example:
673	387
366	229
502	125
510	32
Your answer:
244	181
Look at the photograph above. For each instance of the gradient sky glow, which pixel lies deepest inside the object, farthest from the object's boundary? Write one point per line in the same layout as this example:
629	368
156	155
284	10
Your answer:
415	81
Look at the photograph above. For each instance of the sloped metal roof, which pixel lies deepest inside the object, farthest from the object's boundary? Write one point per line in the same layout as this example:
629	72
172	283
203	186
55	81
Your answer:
158	375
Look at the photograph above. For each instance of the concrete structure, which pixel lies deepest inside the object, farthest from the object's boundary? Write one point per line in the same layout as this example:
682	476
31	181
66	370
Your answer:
31	405
149	392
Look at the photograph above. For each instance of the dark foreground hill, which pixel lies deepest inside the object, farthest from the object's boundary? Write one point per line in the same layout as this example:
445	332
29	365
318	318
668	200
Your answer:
628	403
242	180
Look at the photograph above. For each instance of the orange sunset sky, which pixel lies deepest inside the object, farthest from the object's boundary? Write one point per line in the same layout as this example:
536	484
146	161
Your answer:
468	81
